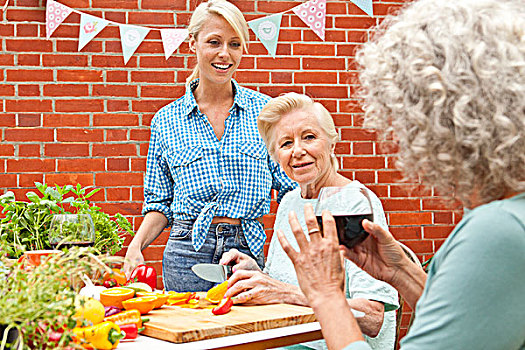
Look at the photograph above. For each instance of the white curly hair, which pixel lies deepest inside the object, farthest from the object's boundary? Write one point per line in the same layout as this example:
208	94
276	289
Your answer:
446	79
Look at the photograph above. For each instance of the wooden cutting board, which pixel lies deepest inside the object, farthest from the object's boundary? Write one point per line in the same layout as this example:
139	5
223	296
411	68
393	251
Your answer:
180	325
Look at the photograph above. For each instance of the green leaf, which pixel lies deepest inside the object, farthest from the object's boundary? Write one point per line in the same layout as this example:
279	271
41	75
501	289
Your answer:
54	194
92	192
33	197
9	196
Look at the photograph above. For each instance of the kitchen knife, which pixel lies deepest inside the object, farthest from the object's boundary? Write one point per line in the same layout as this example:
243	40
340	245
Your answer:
212	272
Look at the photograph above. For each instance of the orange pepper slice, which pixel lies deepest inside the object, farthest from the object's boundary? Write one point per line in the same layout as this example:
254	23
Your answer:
215	294
161	298
143	304
117	274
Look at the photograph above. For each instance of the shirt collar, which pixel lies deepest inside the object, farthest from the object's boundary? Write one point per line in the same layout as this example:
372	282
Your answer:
189	102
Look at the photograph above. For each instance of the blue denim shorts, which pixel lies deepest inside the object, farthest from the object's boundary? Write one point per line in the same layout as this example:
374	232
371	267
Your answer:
180	256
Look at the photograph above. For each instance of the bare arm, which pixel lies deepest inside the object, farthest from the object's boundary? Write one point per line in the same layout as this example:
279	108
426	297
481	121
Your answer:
152	226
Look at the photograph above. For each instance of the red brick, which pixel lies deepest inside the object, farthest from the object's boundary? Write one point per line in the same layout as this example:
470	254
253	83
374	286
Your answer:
118	179
8	180
66	150
117	150
433	232
404	233
117	135
315	77
28	90
28	45
117	76
30	165
118	106
137	194
410	218
308	49
162	91
29	150
288	63
58	60
140	135
363	162
29	134
28	180
167	77
79	75
117	164
117	194
69	179
115	90
8	120
65	120
124	208
401	204
138	164
178	5
66	90
324	63
80	165
115	120
79	135
77	105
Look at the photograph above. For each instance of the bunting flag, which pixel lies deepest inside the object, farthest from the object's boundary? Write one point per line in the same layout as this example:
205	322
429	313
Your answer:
90	26
365	5
171	39
267	30
313	13
56	13
130	38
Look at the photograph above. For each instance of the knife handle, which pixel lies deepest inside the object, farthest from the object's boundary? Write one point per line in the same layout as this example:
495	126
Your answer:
228	270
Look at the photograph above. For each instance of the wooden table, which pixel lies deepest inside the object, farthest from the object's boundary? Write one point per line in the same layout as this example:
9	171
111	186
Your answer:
265	339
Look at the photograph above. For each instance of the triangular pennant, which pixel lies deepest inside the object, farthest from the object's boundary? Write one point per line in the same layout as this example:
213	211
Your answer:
171	39
267	30
130	38
313	13
90	26
365	5
56	13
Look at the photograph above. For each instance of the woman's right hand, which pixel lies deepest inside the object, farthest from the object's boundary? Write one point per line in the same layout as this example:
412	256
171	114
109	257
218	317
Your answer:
239	261
379	255
132	259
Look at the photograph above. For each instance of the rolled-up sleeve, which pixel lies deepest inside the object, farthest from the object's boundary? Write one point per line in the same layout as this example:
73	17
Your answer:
158	183
281	182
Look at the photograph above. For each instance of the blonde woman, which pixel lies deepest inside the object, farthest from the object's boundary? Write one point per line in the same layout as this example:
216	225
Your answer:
208	174
447	79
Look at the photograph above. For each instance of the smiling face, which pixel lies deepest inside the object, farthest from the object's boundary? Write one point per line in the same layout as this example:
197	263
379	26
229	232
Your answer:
219	50
303	149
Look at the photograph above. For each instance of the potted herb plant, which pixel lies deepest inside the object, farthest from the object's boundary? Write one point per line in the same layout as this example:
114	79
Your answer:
26	223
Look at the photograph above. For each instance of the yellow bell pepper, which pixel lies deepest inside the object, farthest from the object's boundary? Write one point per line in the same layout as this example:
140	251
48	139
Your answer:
103	336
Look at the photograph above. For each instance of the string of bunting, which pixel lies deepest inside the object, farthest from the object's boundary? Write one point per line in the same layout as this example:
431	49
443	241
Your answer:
266	29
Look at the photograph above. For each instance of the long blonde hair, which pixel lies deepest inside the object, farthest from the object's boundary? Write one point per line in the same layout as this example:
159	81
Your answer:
226	10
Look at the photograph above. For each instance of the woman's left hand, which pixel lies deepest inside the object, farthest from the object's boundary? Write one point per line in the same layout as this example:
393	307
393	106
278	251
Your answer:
255	288
318	264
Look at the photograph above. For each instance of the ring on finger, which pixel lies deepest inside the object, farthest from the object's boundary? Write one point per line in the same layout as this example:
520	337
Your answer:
315	230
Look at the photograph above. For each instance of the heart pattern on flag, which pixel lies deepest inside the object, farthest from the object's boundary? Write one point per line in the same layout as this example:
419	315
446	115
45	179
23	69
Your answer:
313	13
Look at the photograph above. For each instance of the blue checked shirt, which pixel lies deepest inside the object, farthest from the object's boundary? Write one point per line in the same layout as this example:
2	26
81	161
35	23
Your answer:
192	175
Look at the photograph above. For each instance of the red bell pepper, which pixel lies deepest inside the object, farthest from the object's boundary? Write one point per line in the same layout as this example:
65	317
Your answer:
144	274
131	330
224	307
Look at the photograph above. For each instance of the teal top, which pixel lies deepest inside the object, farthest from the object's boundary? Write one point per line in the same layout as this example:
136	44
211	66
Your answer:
474	297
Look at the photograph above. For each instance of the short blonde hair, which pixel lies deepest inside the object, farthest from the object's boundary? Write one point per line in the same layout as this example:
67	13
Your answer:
277	107
447	78
226	10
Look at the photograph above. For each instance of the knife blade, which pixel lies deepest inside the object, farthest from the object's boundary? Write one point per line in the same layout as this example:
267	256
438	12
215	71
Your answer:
212	272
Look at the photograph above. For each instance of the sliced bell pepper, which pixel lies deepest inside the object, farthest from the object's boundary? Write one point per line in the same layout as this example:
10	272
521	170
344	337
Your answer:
103	336
143	304
144	274
224	307
127	317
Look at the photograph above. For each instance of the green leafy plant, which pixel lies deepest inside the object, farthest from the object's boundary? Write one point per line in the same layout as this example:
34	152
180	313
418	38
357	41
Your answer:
26	224
39	301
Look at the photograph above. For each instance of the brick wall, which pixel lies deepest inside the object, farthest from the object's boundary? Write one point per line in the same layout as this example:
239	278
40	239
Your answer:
72	117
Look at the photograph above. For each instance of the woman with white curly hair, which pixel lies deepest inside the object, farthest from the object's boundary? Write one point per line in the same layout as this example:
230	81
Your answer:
446	81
